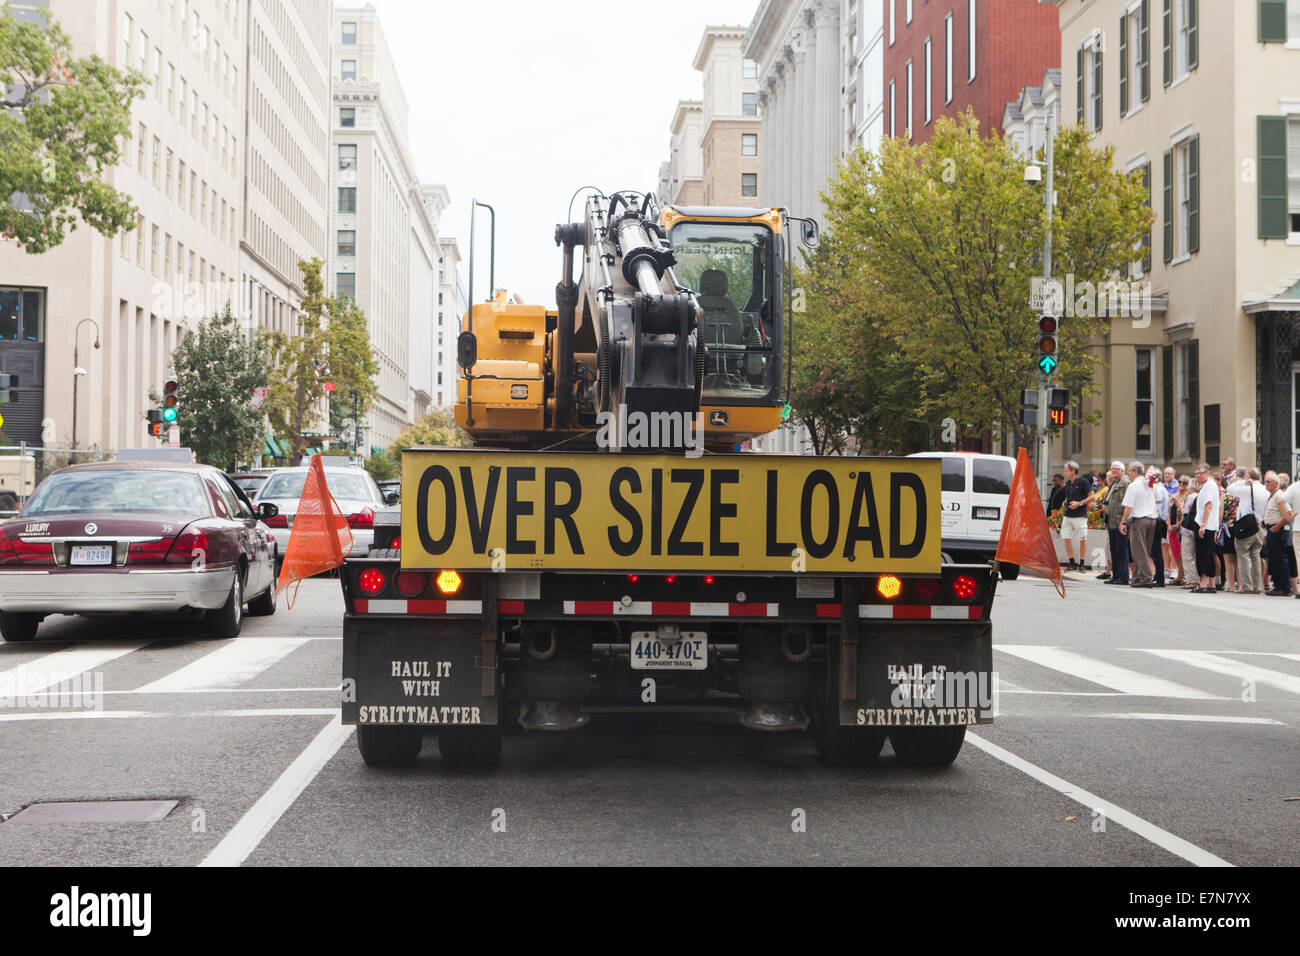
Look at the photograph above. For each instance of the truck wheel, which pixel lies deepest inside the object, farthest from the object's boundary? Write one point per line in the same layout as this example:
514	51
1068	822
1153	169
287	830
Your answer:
470	746
18	627
836	745
389	746
1009	572
227	619
927	746
263	606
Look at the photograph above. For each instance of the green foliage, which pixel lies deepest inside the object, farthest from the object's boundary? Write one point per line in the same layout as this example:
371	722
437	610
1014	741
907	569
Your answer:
438	428
332	344
61	126
941	241
382	467
216	372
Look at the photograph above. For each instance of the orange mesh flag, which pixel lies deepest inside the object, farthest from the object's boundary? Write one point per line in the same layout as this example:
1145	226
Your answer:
320	538
1026	539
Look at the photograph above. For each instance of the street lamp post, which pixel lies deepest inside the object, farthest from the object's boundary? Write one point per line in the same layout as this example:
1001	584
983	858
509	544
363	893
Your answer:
78	371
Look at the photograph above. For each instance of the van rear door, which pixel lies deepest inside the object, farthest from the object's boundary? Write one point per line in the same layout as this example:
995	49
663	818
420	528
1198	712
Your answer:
990	490
955	490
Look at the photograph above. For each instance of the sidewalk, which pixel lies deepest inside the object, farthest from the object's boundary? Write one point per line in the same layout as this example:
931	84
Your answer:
1276	610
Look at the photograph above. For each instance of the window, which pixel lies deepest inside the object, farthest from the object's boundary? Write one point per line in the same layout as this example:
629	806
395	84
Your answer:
141	137
1182	232
155	247
749	104
171	87
180	187
947	58
748	69
748	185
347	116
194	193
128	26
1088	83
893	16
928	73
348	70
345	285
347	156
953	475
139	241
1293	174
1180	35
349	33
990	476
748	144
970	40
1144	402
908	126
157	162
141	46
1134	59
167	256
347	245
22	315
908	11
155	67
892	111
347	199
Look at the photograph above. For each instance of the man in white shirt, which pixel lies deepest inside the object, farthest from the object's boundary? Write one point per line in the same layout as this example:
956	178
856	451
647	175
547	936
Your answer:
1208	504
1139	523
1251	497
1276	515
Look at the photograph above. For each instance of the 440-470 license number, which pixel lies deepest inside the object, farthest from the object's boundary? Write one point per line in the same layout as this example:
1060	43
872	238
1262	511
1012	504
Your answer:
650	650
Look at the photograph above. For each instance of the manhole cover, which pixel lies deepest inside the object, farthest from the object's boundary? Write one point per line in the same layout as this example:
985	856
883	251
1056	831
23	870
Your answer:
96	811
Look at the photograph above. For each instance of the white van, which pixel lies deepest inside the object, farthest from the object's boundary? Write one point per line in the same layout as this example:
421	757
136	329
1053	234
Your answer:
975	490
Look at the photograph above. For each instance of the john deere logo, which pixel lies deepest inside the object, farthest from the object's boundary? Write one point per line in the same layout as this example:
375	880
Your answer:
92	528
718	418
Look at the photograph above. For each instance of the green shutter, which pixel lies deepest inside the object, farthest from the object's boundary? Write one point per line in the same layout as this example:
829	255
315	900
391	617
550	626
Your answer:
1096	79
1273	211
1169	205
1123	64
1194	399
1079	87
1194	195
1167	398
1272	21
1168	18
1146	241
1191	34
1144	52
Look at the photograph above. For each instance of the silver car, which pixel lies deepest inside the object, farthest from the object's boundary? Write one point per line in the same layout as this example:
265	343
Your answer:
356	493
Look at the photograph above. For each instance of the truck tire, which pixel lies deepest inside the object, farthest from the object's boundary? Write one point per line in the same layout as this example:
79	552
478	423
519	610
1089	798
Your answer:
16	628
389	746
263	605
226	620
927	746
836	745
1008	571
8	501
470	746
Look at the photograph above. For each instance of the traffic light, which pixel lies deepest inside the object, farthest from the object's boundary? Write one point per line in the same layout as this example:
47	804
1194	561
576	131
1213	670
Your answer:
7	382
1058	407
170	409
1047	342
156	422
1029	407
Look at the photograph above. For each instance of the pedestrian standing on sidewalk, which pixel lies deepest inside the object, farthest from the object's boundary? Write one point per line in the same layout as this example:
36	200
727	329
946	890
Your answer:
1113	512
1171	535
1227	554
1159	530
1191	579
1208	502
1291	492
1138	522
1074	525
1276	515
1247	531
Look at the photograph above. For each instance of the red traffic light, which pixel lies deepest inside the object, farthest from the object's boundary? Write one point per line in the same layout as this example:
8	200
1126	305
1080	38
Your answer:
170	387
1047	325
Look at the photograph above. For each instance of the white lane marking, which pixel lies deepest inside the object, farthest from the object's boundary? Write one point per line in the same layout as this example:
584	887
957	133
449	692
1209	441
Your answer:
1099	672
110	714
1223	665
1290	657
1065	693
237	663
48	670
1206	718
254	825
1146	830
79	715
275	712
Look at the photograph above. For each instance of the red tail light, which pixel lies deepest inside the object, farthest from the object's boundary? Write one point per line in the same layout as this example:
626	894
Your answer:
927	590
185	547
409	583
365	518
964	588
6	552
671	579
148	552
708	579
633	578
17	551
372	581
276	521
397	544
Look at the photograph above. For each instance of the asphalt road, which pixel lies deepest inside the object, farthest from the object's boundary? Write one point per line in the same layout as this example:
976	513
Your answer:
1134	728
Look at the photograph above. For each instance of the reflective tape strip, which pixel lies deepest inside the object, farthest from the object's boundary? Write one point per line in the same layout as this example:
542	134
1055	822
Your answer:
707	609
510	607
673	608
385	606
414	606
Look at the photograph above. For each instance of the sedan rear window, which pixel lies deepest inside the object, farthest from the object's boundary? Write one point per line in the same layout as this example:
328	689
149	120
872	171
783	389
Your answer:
288	484
113	492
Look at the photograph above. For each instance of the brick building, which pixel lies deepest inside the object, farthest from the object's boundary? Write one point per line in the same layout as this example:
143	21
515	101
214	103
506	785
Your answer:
943	56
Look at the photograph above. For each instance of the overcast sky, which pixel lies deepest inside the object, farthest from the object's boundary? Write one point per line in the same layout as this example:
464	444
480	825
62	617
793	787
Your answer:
518	104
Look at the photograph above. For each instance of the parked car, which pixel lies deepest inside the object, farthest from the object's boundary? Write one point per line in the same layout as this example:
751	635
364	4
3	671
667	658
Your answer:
974	490
249	481
356	493
391	486
136	537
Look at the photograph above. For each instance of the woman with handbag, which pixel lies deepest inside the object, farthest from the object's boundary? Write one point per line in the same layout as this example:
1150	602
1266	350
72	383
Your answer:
1245	529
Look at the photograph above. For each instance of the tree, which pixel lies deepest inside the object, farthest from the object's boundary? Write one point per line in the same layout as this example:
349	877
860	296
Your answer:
437	428
949	239
332	344
61	125
216	372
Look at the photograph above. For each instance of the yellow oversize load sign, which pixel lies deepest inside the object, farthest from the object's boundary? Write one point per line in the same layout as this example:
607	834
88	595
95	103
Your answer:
517	511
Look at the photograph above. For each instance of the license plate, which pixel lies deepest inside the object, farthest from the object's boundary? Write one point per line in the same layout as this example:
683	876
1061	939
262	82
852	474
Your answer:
650	652
991	514
91	554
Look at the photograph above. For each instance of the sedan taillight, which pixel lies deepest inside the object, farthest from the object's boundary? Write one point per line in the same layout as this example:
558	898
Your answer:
191	547
27	552
365	518
276	521
148	552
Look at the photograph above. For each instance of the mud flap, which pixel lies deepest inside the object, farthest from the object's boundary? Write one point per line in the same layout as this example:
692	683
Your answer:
921	675
417	672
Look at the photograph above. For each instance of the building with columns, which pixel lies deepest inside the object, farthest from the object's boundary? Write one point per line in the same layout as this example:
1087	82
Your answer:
685	160
796	45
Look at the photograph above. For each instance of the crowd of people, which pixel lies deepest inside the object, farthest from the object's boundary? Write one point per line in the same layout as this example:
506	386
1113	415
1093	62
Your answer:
1229	530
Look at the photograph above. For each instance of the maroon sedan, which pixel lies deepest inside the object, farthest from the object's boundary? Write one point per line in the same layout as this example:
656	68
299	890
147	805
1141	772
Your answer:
136	537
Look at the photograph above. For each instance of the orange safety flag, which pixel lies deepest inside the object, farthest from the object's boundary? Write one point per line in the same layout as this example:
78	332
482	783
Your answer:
1026	539
320	538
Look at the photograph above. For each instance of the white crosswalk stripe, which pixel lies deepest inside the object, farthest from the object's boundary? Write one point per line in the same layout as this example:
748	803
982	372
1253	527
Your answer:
236	663
1227	666
1105	674
49	670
